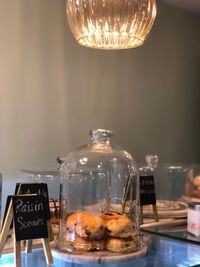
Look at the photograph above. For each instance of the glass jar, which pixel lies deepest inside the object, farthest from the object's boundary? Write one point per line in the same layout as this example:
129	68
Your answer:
99	198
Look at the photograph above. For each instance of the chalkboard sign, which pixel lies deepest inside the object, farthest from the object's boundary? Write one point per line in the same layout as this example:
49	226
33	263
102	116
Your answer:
30	217
147	190
34	188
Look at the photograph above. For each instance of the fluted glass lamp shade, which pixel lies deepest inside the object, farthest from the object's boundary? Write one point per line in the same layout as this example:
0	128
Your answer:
111	24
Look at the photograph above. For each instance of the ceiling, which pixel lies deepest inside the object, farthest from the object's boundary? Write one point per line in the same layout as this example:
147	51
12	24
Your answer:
191	5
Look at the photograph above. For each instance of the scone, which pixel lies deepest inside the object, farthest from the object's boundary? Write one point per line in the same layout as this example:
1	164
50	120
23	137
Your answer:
120	245
72	220
86	225
196	181
107	216
196	186
121	227
82	244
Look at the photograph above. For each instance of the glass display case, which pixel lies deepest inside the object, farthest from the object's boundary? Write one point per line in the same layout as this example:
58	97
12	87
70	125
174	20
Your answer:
99	198
166	252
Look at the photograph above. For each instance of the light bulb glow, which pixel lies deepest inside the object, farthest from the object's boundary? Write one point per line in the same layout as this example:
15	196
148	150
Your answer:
111	24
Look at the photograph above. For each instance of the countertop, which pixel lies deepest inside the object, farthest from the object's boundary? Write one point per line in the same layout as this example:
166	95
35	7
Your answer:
162	252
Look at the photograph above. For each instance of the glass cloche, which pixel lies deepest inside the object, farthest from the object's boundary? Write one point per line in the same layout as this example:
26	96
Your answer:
169	178
99	199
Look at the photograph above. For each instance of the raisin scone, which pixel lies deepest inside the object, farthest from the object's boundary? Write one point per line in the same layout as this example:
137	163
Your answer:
120	245
82	244
86	225
121	227
107	216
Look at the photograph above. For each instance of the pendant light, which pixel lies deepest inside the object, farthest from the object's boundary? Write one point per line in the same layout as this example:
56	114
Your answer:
110	24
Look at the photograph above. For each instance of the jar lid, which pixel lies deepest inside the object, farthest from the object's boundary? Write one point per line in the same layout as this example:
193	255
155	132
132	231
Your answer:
194	206
100	134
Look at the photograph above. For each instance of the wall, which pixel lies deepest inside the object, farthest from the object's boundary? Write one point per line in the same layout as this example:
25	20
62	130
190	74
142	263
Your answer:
52	91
